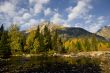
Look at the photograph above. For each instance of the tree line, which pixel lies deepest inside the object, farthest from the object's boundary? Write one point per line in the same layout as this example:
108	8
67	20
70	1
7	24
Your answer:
13	41
86	44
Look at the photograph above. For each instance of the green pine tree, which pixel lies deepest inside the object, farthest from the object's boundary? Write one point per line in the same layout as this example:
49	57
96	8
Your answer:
15	40
94	43
36	47
79	46
29	42
55	40
87	45
5	50
47	39
60	46
1	30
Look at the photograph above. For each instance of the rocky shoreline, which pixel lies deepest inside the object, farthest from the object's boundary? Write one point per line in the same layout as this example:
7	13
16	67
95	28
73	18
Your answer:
85	54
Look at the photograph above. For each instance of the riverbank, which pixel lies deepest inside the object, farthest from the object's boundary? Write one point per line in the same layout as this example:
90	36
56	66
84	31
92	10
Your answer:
89	62
85	54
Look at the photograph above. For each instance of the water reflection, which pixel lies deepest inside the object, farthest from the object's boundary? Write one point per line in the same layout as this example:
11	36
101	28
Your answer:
46	64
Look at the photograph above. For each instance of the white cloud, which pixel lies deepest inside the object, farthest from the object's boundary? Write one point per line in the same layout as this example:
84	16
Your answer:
11	14
66	25
95	23
57	19
42	1
94	27
47	12
29	24
22	11
7	8
88	21
101	18
21	18
31	1
38	5
14	2
77	25
26	16
56	10
8	11
38	8
81	8
88	18
42	20
18	20
39	1
33	21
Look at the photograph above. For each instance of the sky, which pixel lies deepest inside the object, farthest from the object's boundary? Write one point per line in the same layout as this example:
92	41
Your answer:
88	14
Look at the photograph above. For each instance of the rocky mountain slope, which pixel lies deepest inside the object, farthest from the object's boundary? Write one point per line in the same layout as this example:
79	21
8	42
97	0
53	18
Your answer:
105	32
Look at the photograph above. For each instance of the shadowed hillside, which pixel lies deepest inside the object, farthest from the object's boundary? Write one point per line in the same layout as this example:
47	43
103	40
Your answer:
77	32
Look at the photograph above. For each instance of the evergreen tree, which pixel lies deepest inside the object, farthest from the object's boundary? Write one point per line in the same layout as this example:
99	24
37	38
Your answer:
29	42
36	47
55	40
1	30
15	40
60	46
79	46
37	33
5	50
87	45
94	43
47	39
23	42
72	47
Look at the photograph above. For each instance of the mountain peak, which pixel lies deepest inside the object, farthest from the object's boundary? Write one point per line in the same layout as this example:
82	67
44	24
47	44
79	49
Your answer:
104	31
51	26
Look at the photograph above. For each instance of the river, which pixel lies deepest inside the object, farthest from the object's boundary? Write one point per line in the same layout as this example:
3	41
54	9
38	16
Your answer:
55	64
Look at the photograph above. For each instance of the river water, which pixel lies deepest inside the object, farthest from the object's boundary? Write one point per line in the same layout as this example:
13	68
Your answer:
49	64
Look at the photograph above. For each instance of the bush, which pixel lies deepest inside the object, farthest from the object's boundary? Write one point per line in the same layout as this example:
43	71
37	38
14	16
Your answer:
51	52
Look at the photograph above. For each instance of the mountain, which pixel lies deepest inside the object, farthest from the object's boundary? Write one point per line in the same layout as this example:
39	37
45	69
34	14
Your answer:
105	32
77	32
67	32
71	32
51	26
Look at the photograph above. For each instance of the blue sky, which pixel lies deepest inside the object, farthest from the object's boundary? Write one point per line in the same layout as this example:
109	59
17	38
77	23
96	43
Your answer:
88	14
